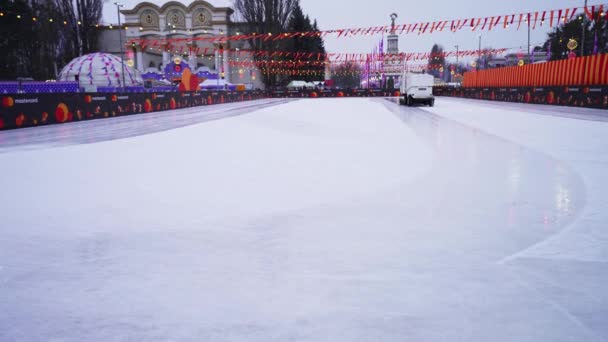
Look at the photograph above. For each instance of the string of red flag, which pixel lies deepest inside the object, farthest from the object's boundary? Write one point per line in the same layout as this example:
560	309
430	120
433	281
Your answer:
334	56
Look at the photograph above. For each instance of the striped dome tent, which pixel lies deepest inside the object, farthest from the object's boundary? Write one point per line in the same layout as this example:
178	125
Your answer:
100	69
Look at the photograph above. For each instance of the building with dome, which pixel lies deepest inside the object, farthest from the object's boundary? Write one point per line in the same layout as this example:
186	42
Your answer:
156	20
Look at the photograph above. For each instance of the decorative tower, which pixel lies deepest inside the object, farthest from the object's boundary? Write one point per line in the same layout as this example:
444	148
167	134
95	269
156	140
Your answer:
393	39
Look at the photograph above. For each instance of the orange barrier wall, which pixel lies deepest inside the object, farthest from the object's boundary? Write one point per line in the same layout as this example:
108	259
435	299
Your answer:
589	70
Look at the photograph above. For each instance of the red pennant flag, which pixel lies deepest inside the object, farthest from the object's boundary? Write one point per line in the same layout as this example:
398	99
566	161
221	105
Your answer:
551	20
433	27
573	13
485	21
535	20
476	24
542	20
413	28
566	16
424	29
495	23
456	26
521	16
491	24
464	22
591	13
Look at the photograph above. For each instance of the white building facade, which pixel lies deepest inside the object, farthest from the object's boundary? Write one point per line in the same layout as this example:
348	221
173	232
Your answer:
155	23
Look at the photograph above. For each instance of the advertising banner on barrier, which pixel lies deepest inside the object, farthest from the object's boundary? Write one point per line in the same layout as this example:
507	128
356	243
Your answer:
28	110
586	96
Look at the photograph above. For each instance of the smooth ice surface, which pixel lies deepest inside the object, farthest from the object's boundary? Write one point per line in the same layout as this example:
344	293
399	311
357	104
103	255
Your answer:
313	220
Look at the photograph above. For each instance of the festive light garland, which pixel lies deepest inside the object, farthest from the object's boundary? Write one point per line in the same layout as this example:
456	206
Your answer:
332	57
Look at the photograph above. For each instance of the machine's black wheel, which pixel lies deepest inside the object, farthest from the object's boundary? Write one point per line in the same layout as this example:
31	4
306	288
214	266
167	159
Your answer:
432	103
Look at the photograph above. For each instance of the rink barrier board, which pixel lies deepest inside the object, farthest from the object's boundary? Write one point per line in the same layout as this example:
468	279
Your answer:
321	93
579	71
29	110
573	96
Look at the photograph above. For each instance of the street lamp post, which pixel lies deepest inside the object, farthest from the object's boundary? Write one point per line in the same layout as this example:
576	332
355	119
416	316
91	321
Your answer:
583	35
479	52
456	68
529	17
122	58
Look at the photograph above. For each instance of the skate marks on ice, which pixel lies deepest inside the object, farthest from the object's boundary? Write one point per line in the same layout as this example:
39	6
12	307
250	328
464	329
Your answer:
568	283
296	254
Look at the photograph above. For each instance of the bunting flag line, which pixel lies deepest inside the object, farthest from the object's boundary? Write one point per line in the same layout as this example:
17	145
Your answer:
377	56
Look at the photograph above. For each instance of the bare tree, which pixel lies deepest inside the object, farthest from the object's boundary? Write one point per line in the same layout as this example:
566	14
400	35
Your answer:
81	17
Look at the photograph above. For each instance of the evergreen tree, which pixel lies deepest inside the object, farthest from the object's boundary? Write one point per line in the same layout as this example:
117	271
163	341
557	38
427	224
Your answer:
319	48
558	38
303	45
436	60
268	17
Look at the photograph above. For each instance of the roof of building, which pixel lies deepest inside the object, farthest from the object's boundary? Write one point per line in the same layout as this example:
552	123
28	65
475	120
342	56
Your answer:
132	4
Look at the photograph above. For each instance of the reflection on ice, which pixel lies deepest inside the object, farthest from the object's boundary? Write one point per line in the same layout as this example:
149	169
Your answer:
527	182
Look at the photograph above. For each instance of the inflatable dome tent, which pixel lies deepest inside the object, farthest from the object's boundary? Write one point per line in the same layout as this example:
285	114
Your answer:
100	69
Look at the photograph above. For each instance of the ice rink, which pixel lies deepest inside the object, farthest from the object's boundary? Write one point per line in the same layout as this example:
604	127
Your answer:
308	220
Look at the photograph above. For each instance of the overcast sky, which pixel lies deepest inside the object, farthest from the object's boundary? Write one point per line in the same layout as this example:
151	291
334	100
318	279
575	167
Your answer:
333	14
